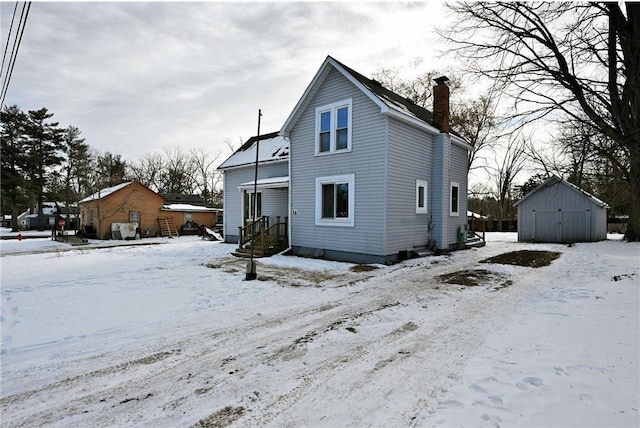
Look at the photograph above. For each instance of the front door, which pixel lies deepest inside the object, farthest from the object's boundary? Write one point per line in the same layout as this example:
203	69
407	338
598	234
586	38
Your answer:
249	204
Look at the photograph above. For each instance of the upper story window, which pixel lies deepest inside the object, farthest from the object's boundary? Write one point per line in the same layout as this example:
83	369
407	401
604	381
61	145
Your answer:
333	127
421	197
455	199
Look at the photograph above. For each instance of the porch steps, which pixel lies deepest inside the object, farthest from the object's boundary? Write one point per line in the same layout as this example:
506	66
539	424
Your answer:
167	227
259	252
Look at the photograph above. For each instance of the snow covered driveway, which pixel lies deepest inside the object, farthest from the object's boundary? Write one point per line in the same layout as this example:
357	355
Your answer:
171	335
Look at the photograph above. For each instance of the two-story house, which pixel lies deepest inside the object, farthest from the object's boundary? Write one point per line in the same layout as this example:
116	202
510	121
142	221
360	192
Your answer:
371	176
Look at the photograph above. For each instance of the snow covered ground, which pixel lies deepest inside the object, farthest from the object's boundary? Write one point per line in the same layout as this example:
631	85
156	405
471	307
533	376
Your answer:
171	335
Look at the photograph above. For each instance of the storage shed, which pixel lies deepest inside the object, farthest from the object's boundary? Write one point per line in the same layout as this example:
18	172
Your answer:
558	211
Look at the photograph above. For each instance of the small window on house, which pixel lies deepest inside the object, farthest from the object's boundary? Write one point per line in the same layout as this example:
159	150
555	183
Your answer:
335	198
455	199
333	127
421	197
134	217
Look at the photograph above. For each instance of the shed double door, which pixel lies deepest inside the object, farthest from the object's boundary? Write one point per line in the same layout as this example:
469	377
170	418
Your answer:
562	226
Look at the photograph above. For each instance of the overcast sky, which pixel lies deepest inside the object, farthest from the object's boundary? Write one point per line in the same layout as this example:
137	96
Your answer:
139	77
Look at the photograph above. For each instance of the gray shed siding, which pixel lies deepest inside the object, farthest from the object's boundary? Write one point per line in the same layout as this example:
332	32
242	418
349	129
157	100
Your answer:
366	161
558	213
274	201
409	158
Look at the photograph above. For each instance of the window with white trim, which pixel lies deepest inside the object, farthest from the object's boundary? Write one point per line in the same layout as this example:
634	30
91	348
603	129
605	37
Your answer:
335	196
455	199
249	204
421	197
333	127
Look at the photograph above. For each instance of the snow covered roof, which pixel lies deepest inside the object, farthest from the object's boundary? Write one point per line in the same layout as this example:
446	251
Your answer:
476	215
188	207
273	148
267	183
553	180
105	192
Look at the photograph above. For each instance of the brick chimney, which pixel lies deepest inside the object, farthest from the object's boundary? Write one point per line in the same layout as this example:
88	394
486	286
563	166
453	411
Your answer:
441	104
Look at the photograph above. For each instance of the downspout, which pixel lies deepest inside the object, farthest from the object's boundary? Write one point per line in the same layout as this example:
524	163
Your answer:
289	204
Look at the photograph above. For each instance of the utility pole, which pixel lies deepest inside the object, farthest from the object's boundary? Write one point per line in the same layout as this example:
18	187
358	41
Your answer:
251	265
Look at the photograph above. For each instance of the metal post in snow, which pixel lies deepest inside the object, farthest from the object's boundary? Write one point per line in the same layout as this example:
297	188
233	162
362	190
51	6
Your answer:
251	273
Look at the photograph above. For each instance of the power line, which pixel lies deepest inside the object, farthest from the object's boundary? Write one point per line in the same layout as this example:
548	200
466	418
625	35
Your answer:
14	51
6	46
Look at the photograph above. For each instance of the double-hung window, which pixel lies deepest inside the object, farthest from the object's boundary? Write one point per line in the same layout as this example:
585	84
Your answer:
333	127
421	197
335	196
455	199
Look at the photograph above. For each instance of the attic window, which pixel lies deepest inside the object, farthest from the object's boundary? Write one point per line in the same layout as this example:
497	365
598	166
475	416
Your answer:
333	127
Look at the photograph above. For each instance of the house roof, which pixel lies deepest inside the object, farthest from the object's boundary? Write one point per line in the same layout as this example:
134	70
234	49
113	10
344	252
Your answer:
273	148
188	208
552	181
102	193
181	198
389	102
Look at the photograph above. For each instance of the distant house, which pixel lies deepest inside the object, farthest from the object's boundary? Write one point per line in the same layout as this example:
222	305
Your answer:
357	173
558	211
129	202
52	213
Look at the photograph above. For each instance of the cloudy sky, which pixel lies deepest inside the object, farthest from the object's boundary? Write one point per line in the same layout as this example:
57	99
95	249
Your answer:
139	77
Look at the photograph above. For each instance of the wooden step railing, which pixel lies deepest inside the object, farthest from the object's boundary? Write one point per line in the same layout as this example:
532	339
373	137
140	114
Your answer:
250	231
264	238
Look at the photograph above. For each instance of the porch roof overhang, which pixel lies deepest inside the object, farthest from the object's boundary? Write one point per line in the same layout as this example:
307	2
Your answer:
266	183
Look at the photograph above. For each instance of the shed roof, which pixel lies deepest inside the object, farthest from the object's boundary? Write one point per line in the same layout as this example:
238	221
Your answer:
552	181
273	148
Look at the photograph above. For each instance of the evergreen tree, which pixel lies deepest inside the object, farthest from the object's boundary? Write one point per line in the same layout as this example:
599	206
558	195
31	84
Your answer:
14	190
42	153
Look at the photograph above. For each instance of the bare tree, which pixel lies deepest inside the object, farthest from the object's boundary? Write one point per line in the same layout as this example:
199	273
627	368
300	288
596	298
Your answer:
177	175
476	121
147	170
509	163
207	180
577	60
473	119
